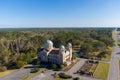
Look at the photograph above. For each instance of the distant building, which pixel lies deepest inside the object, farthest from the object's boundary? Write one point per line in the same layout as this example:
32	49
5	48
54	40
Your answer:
55	55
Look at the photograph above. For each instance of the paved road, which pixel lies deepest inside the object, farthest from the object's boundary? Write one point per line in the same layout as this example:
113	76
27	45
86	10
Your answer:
114	66
44	76
18	75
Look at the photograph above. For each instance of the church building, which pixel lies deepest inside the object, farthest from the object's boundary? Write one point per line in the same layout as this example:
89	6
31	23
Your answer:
49	54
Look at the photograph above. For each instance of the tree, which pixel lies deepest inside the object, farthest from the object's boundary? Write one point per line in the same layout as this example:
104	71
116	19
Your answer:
98	45
85	48
20	64
75	55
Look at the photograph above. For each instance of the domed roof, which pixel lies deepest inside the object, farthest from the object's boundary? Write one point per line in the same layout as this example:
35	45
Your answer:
69	44
62	47
48	42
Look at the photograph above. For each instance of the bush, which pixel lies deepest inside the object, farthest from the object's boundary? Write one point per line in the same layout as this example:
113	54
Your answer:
35	62
65	64
11	65
65	76
20	64
62	66
82	72
34	70
3	68
75	55
77	78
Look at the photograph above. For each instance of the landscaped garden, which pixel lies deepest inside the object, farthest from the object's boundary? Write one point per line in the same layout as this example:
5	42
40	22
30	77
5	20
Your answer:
101	71
88	68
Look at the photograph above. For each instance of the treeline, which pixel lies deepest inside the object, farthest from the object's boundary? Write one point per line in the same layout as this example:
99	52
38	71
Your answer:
18	48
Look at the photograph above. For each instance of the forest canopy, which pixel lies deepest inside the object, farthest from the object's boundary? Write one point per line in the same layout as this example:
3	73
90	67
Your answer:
19	47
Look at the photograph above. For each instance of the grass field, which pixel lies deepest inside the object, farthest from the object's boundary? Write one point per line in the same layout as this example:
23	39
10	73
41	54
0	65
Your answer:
107	58
102	71
5	73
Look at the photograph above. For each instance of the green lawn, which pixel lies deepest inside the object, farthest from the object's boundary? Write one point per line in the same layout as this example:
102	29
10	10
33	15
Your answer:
113	34
107	57
102	71
5	73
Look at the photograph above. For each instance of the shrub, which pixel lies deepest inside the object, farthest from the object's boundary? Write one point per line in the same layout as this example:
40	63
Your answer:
3	68
77	78
34	70
82	72
62	66
65	76
75	55
11	65
35	62
20	64
65	64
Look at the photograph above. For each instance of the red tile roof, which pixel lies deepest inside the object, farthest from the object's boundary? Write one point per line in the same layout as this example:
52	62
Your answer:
55	51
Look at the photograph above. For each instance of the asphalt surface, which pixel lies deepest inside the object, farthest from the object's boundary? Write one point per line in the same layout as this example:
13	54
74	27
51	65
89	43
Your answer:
49	74
44	76
18	75
114	63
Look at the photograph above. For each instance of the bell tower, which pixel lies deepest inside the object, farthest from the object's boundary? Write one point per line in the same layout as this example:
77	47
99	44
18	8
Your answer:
48	45
69	48
62	54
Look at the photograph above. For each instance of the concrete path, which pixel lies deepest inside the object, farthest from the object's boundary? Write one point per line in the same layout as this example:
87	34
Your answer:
18	75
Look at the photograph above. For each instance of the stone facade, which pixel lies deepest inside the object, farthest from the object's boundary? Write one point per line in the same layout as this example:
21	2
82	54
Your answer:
55	55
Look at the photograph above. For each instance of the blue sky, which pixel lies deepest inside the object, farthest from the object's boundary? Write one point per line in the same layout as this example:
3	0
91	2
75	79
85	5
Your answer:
59	13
